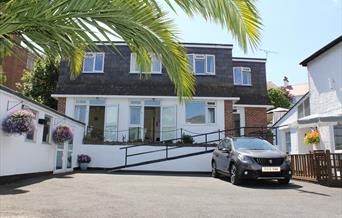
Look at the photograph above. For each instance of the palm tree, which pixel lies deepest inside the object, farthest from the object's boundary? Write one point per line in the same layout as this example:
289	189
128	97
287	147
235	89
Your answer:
65	28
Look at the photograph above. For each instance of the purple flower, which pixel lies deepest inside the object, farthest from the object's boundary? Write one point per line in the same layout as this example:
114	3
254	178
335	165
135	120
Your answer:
83	158
62	134
20	121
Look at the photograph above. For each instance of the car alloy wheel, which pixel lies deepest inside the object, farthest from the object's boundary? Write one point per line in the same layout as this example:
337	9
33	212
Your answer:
213	170
234	178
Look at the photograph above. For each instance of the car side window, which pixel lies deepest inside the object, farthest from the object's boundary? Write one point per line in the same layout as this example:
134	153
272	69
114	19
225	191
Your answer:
226	144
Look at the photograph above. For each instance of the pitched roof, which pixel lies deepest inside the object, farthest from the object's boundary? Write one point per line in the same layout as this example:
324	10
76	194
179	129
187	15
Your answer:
292	108
299	89
11	91
321	51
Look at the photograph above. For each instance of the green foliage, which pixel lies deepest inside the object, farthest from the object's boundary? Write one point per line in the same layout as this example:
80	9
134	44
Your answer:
41	83
187	139
2	78
278	98
65	28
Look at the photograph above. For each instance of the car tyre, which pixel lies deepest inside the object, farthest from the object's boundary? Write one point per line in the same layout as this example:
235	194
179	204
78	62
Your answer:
214	172
234	175
284	181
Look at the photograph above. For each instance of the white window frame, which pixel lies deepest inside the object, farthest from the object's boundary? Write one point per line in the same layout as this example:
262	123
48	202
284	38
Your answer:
35	123
94	54
206	113
241	74
304	108
132	64
50	130
205	57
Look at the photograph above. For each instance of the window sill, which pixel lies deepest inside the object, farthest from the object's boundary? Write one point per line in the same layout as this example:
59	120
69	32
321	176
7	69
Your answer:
145	73
205	74
93	72
243	85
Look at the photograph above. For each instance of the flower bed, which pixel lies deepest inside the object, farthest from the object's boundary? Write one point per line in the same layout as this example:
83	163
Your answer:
62	134
20	121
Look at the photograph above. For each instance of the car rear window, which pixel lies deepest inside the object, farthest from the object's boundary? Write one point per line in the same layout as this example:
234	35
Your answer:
252	144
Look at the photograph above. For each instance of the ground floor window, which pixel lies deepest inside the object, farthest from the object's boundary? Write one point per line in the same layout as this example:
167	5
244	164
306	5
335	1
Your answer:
288	141
46	129
200	112
338	136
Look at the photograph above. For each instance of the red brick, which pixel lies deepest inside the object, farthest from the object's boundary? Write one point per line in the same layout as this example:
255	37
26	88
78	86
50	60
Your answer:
228	115
255	117
61	105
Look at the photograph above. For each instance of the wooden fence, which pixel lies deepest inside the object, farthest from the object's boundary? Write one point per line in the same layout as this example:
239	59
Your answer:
320	166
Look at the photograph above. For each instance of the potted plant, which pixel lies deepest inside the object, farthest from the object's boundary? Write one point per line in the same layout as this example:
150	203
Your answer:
83	161
20	121
62	134
312	138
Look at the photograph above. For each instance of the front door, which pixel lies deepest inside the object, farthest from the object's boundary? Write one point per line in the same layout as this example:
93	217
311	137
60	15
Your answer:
152	124
64	158
168	122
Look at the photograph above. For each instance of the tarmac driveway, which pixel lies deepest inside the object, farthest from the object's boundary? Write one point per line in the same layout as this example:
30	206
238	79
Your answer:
142	195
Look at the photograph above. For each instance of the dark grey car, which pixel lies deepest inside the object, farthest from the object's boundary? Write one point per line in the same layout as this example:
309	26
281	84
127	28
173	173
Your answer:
250	158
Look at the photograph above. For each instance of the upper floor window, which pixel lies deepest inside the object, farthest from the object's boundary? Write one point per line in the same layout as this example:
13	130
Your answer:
304	108
242	76
202	64
155	68
93	62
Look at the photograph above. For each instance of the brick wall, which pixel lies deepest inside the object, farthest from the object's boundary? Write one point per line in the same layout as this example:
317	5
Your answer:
255	117
14	66
228	115
61	105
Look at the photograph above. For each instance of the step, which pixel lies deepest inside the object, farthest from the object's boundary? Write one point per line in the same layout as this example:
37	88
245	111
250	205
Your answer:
160	160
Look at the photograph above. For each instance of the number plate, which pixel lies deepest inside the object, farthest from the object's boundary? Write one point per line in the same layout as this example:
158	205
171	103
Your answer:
270	169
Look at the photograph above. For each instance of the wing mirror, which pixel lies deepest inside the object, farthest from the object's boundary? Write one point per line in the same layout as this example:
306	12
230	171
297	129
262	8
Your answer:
226	150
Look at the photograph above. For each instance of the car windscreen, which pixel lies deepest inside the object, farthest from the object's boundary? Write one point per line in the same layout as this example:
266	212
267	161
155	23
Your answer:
252	144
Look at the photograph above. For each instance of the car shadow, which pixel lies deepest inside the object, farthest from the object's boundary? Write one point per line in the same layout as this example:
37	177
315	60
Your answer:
274	185
18	186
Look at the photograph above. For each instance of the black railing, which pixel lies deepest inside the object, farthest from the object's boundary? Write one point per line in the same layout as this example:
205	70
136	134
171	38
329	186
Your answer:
261	132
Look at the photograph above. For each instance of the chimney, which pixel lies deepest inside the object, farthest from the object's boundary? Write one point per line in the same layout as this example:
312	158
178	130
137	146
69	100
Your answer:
286	82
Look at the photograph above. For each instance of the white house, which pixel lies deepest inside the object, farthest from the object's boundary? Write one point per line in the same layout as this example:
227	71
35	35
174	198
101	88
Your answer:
36	152
321	108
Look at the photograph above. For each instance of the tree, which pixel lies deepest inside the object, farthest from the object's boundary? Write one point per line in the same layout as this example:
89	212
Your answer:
278	98
41	83
2	78
65	28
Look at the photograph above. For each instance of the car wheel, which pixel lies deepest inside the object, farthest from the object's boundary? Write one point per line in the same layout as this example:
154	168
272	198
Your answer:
214	172
234	176
283	181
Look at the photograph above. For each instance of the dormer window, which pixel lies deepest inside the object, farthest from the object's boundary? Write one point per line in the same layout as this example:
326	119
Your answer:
242	76
202	64
93	62
155	68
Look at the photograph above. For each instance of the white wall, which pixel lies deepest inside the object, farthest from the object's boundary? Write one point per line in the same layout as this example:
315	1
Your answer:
18	155
108	156
325	98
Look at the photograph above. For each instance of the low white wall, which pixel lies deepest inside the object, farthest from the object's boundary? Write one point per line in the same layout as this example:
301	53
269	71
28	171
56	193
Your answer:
108	156
21	156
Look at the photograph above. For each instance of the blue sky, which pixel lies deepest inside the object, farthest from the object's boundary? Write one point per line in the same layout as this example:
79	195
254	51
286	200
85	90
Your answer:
293	28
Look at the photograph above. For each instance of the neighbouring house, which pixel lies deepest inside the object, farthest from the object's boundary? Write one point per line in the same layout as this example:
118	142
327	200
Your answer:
118	105
320	108
275	114
297	91
13	66
35	152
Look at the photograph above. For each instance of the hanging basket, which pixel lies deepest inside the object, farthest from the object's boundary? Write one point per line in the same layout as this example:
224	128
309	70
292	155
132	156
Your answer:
312	137
62	134
18	122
